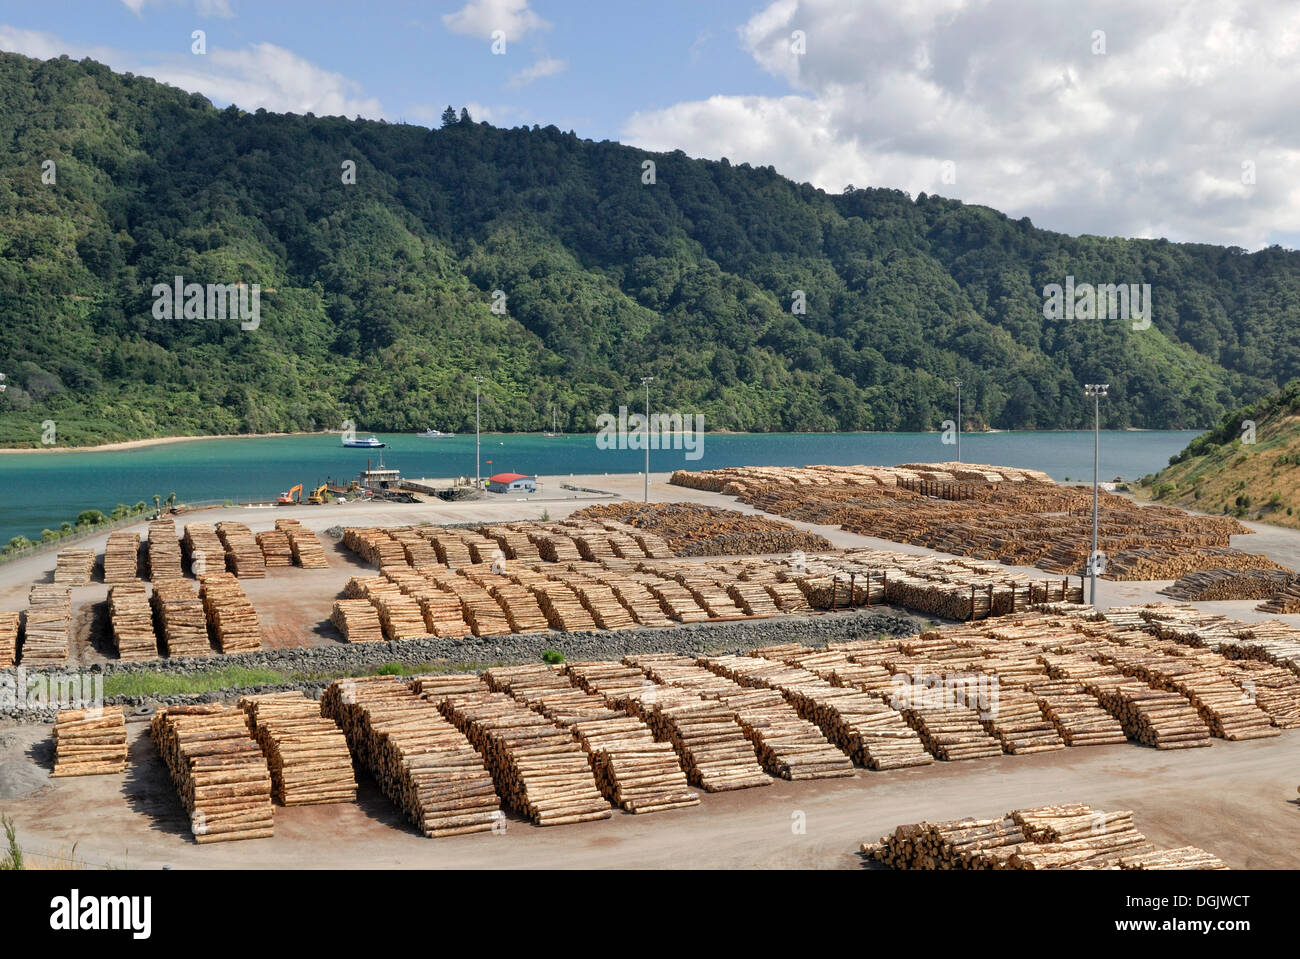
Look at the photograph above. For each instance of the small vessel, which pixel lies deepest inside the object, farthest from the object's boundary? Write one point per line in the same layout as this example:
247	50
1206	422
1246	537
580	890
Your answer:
434	434
555	430
370	443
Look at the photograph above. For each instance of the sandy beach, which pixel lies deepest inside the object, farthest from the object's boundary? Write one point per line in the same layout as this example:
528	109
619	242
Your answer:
154	441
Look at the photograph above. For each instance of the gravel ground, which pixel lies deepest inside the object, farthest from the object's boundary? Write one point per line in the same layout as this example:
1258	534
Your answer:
475	653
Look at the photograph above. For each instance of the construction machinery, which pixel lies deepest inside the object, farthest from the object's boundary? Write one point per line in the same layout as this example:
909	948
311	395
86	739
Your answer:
290	497
317	496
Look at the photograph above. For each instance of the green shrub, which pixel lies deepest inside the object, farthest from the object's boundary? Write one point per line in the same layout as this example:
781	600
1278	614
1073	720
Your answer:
552	657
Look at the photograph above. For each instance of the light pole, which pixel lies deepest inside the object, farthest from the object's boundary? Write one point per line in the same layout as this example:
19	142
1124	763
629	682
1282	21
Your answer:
958	382
1096	391
646	381
478	480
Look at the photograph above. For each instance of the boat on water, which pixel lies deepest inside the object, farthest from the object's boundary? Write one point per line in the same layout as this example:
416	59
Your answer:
370	443
434	434
555	429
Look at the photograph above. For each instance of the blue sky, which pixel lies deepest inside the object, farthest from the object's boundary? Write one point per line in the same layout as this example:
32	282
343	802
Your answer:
1168	118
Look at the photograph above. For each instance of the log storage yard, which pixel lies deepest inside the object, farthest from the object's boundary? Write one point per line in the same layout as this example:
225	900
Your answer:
903	659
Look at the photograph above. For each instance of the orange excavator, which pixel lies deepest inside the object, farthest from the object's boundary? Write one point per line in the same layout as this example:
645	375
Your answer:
294	495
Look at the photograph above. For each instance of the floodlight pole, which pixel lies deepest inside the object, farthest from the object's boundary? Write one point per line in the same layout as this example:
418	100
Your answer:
958	382
646	381
1096	391
478	479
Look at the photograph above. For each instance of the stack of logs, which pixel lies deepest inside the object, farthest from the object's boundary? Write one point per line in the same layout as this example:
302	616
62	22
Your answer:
243	555
357	620
562	607
1226	584
306	753
275	547
74	566
421	762
48	625
1068	836
9	622
232	617
122	558
218	770
182	619
132	620
202	549
539	769
164	551
89	742
306	546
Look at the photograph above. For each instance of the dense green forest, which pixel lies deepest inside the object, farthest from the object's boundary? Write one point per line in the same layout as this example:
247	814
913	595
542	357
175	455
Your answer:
377	296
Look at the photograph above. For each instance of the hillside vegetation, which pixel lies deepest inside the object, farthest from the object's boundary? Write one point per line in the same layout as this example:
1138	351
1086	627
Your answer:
376	296
1221	472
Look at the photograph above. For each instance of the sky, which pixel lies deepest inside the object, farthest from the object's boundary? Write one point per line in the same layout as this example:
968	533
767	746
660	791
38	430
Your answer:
1160	118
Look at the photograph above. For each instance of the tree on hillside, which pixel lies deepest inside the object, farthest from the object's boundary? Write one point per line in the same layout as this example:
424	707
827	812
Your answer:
464	115
448	116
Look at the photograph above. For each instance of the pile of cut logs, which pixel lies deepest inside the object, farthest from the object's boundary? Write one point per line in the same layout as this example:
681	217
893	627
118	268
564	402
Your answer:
218	770
1224	584
243	555
1077	715
48	624
605	609
950	732
1285	599
357	620
562	607
633	770
421	762
442	613
276	551
182	618
1069	836
305	544
1162	563
164	551
122	558
202	549
691	529
89	742
9	622
306	753
232	617
132	621
539	769
74	566
1155	717
523	614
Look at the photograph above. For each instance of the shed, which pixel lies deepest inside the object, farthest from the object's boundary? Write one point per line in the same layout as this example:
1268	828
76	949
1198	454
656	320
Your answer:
512	483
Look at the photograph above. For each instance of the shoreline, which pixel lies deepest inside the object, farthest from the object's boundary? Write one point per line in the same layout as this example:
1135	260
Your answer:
121	445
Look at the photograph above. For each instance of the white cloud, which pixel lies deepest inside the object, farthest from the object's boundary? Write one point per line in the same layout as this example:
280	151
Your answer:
548	67
262	76
479	18
1148	139
204	8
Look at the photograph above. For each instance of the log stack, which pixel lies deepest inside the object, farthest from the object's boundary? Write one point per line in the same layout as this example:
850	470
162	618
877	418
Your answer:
605	609
90	742
401	616
132	620
633	770
562	607
307	754
539	769
1077	715
182	619
1068	836
421	762
47	626
276	551
523	614
1228	584
9	622
1285	599
203	549
243	555
1155	717
357	620
164	551
304	543
443	615
231	616
122	558
74	567
218	770
951	733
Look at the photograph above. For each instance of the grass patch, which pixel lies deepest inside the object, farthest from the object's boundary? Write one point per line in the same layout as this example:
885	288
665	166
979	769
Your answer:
167	684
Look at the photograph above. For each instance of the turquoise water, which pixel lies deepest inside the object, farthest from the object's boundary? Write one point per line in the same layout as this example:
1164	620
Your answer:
44	489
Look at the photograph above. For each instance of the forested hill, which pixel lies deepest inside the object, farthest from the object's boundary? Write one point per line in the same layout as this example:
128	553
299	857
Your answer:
376	296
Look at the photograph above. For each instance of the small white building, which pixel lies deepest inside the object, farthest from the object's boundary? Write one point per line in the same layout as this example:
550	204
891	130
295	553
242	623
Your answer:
512	483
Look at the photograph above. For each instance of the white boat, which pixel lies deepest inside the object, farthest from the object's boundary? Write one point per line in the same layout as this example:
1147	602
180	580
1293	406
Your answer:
366	444
434	434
